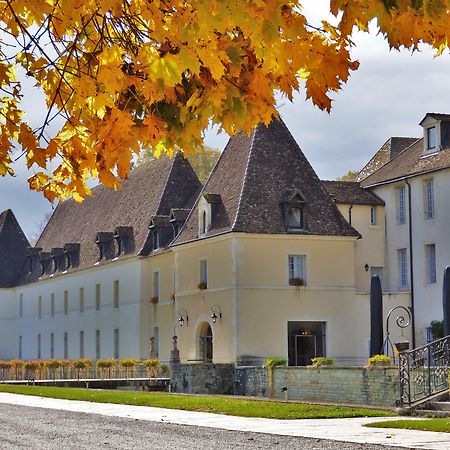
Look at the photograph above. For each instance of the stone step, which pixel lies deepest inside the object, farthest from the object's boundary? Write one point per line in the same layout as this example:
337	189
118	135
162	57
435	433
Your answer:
439	406
431	413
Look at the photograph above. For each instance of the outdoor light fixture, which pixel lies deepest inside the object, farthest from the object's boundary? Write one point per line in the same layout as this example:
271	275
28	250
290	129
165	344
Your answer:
216	313
366	267
183	317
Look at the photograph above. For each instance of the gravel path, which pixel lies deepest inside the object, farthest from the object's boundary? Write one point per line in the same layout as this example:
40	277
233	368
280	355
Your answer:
38	428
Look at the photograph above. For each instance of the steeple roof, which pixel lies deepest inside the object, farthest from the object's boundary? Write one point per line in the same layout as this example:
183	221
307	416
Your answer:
13	248
254	177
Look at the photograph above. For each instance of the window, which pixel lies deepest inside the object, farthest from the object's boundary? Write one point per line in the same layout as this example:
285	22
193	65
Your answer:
428	199
403	268
401	211
430	251
81	344
116	294
66	303
81	300
39	354
20	347
52	305
97	344
52	345
204	273
297	270
431	137
116	343
373	215
155	291
21	305
203	224
294	218
97	297
40	307
66	345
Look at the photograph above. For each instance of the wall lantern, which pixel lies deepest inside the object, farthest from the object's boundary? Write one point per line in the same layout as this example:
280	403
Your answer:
184	318
216	313
366	267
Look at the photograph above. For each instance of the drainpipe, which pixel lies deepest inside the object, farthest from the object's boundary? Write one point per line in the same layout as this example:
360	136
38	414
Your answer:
350	215
411	265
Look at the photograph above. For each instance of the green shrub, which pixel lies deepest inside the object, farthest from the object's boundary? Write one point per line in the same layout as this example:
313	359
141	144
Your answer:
153	366
437	329
321	361
274	361
380	361
165	370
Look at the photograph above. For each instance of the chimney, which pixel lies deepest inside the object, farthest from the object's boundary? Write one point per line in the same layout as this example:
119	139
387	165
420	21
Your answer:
105	242
72	252
124	237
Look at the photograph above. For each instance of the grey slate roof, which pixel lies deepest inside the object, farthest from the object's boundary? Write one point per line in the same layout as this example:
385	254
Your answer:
254	176
152	189
437	116
408	163
351	193
388	151
13	249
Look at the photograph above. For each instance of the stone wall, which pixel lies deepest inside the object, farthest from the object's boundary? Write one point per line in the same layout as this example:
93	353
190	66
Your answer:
202	378
354	385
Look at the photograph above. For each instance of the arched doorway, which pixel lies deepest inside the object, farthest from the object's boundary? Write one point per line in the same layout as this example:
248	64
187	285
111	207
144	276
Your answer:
205	343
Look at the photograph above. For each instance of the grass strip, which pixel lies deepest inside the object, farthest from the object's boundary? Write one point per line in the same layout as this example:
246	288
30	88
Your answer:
437	424
205	403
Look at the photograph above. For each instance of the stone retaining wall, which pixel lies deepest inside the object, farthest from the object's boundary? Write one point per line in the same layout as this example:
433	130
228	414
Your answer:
354	385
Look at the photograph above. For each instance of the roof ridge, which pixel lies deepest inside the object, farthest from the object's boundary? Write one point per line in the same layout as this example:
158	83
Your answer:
393	159
250	151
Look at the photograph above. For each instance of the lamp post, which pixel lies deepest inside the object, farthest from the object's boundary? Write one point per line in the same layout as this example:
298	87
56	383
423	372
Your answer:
216	313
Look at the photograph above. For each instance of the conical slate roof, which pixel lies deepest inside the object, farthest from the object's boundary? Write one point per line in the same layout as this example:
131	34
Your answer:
254	176
13	248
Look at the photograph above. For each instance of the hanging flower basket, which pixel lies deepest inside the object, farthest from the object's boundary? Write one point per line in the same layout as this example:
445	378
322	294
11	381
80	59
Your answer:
154	300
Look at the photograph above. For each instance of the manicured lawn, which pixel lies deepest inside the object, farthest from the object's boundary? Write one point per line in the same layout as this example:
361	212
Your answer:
219	405
440	424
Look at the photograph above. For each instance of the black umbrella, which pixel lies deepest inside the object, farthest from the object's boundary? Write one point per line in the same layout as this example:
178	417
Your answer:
446	300
376	316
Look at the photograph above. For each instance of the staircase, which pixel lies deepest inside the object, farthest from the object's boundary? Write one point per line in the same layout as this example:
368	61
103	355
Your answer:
424	376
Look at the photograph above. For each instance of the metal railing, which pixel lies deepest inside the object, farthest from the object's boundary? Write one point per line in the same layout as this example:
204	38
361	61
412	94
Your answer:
423	372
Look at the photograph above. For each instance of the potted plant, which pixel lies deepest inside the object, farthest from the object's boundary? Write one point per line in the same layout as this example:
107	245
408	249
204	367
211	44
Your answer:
104	364
154	300
128	364
153	366
379	361
297	281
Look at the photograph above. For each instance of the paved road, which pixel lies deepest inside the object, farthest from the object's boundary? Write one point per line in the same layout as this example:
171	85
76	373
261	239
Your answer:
38	428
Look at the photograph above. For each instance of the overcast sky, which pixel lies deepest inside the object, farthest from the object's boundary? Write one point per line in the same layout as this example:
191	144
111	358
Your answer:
387	96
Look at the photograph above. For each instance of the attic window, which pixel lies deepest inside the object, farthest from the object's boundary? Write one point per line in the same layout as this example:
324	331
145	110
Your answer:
294	213
203	223
431	138
125	240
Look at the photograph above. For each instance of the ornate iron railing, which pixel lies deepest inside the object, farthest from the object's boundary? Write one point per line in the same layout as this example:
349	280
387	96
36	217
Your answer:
424	371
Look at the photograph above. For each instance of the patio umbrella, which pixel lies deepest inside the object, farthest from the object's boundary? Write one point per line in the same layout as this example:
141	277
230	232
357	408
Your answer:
376	316
446	301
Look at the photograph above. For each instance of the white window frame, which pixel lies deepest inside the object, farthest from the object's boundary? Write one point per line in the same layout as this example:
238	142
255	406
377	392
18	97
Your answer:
403	268
297	268
429	147
428	199
155	284
401	205
430	257
373	215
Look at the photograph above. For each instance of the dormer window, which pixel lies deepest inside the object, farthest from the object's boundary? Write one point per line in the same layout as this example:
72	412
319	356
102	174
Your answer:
294	213
105	243
295	217
124	238
431	138
203	223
